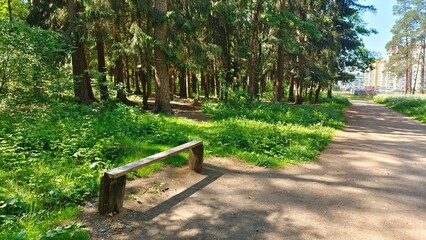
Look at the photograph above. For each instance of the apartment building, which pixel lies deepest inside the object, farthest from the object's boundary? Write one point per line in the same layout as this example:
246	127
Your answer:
416	71
378	77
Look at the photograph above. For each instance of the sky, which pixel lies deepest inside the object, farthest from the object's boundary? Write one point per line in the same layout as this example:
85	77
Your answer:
383	21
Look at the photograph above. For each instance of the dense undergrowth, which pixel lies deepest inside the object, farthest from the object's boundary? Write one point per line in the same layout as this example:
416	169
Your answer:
52	156
411	106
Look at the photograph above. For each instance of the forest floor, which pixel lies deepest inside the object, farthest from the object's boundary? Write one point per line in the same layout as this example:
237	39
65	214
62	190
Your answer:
368	184
186	108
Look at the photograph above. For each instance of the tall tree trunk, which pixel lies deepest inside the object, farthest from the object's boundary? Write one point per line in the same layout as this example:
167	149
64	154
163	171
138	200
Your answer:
422	67
119	61
102	81
407	81
228	65
80	83
162	95
263	83
127	71
145	62
148	56
172	85
299	83
119	76
253	81
311	91
317	93
143	75
330	90
87	79
137	82
194	81
216	81
9	8
188	83
291	88
299	90
77	56
413	89
150	72
182	84
212	86
138	69
205	84
407	70
279	78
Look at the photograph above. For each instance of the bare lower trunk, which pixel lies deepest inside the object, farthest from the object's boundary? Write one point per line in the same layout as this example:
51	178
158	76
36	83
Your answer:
80	83
205	85
311	91
162	94
279	78
119	62
422	67
172	89
299	91
127	71
136	79
119	76
9	8
252	78
182	84
188	83
87	79
103	88
317	93
416	76
78	56
407	81
148	56
143	75
291	89
194	81
216	81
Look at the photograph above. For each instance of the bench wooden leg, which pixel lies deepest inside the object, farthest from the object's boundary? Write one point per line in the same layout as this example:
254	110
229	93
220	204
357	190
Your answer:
196	155
112	194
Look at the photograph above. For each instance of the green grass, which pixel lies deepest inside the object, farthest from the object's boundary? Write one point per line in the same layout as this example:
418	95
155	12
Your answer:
54	155
355	97
409	105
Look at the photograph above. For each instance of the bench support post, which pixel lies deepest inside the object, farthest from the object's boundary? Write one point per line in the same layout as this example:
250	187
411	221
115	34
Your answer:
196	158
112	194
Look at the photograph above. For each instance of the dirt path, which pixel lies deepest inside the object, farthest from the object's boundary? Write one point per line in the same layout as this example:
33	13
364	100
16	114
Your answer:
369	184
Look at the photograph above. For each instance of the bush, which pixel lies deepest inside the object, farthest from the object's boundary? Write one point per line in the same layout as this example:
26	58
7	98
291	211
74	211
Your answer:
31	63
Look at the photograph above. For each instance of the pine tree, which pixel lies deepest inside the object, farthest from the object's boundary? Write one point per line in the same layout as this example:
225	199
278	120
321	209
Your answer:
162	93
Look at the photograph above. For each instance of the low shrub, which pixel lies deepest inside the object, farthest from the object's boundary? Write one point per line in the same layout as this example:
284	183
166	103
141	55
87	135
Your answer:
409	105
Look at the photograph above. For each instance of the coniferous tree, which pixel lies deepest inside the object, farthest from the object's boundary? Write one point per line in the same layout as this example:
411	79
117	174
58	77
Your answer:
162	94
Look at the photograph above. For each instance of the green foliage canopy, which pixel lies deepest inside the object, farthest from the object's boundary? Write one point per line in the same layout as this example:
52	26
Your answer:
31	61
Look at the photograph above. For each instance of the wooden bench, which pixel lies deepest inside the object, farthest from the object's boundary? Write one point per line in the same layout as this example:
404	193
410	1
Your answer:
113	182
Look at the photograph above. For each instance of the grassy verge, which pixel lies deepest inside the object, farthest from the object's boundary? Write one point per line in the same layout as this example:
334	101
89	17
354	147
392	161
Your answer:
53	156
355	97
411	106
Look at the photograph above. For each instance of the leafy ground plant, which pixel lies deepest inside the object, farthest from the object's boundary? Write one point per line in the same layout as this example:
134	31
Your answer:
53	155
411	106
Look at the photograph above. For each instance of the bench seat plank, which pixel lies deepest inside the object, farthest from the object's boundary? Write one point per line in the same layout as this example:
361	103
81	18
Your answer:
120	171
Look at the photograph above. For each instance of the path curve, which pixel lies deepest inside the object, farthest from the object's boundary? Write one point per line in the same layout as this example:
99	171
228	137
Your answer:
370	183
